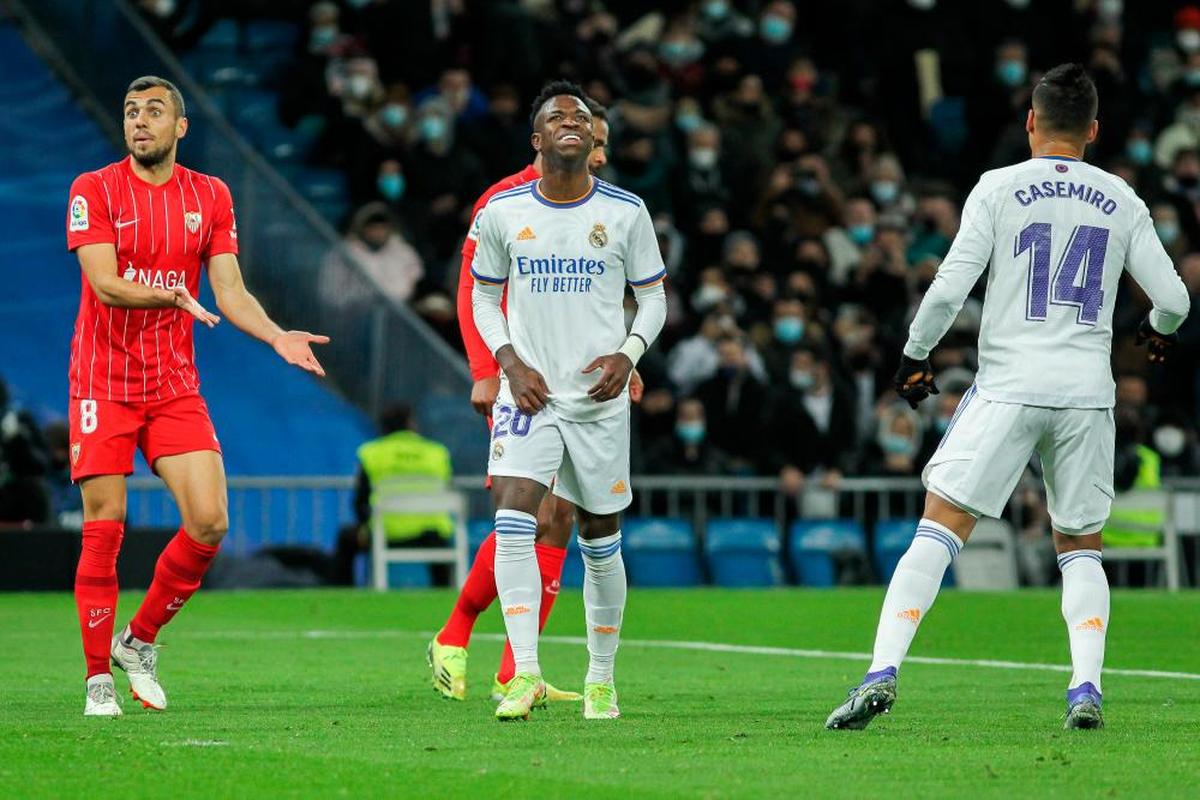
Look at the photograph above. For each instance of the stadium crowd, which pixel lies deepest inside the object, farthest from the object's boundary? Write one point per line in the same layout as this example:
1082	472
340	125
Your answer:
804	188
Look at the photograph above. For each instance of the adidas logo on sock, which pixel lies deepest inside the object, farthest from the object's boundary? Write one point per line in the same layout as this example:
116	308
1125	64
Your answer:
1093	624
512	611
913	615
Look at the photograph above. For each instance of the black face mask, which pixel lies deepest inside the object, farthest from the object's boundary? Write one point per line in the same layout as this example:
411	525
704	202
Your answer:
1188	182
859	361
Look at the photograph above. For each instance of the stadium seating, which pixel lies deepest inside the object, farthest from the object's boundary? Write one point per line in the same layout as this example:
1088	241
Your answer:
743	552
892	538
660	552
814	545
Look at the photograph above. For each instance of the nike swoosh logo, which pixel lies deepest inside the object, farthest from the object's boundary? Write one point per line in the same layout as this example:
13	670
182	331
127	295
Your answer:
94	622
118	225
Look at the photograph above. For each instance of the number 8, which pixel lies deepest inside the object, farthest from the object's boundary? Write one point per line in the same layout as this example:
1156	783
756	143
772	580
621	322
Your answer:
87	416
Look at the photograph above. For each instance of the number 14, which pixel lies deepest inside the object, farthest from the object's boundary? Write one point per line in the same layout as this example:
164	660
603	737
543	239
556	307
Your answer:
1086	248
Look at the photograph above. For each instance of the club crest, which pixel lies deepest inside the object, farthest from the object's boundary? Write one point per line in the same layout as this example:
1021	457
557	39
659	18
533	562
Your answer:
598	237
191	219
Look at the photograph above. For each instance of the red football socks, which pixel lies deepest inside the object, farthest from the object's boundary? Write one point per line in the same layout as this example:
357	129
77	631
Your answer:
476	595
96	590
177	576
550	565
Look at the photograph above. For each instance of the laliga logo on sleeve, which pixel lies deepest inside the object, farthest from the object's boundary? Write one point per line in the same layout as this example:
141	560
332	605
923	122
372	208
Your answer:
79	213
192	220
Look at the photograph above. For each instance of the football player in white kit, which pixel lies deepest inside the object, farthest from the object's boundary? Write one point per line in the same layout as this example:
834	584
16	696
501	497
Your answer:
1058	233
565	245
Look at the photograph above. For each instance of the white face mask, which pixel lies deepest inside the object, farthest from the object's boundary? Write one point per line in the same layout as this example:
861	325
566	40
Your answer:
922	5
1188	39
703	157
164	8
359	86
1169	440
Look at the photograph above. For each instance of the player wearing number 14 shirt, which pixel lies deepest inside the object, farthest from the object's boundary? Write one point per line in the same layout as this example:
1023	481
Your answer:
143	228
1057	233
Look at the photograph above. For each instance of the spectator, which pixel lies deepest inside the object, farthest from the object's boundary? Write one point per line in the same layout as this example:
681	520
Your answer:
688	451
734	400
375	244
23	465
813	415
897	441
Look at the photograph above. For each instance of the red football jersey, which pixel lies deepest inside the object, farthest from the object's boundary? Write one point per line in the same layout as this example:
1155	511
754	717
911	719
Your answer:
483	363
163	236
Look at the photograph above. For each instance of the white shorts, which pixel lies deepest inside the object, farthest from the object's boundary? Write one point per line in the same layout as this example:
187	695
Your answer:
590	459
988	445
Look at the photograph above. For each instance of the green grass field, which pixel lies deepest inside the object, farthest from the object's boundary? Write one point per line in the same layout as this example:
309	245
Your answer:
281	694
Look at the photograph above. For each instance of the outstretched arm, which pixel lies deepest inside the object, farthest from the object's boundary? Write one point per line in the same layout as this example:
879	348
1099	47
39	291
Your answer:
244	311
966	261
99	265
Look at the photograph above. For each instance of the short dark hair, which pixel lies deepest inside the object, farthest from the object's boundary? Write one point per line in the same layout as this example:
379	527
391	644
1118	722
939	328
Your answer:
599	111
1065	100
150	81
394	418
554	89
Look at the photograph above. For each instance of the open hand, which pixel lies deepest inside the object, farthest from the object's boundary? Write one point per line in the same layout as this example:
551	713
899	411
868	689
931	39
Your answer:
294	348
614	374
184	300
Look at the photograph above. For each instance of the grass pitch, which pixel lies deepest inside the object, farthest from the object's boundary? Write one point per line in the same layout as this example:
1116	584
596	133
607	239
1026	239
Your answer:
326	694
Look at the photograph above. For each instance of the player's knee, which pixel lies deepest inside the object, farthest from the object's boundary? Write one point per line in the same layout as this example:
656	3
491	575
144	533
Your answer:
593	526
208	527
96	508
554	527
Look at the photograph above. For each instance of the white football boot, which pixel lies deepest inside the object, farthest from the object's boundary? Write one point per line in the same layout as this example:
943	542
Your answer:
139	660
101	697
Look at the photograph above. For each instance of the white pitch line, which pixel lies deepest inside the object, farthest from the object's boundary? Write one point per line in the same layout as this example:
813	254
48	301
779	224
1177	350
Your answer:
707	647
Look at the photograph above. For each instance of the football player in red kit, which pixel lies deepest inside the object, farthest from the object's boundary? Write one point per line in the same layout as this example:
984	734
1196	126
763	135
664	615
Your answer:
143	229
447	652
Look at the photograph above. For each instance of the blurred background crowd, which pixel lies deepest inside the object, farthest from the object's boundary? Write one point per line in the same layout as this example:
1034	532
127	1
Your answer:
804	187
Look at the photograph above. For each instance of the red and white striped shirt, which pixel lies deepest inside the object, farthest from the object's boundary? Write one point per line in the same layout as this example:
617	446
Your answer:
163	236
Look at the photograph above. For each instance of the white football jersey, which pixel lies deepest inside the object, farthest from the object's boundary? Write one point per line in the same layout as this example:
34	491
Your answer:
566	266
1058	233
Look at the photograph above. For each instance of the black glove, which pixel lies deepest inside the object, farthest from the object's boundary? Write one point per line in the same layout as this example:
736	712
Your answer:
914	380
1158	345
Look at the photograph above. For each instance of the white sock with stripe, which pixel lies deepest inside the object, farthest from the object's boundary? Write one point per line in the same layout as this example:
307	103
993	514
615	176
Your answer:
912	591
519	585
1085	610
604	590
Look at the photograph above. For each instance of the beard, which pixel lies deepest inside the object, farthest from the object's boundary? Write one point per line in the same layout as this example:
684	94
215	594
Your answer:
152	158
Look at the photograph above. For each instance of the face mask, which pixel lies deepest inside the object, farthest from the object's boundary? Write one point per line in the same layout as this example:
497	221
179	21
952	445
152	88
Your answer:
707	296
861	234
394	115
810	187
358	3
164	8
359	86
789	330
322	37
391	185
1169	440
728	373
433	128
1167	231
942	424
1192	77
680	54
1189	40
895	444
1011	73
922	5
690	432
688	121
1187	182
775	29
1110	9
716	10
801	379
703	158
1140	151
884	192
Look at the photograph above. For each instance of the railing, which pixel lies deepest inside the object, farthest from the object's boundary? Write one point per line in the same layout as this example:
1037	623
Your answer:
293	259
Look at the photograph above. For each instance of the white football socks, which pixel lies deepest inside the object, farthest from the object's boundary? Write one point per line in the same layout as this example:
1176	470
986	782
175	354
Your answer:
519	585
1085	610
912	591
604	591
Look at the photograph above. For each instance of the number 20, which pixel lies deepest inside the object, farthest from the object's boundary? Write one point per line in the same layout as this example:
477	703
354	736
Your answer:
510	420
1086	248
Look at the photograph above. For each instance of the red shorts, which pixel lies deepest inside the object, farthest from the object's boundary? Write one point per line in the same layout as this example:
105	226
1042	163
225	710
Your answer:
104	433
